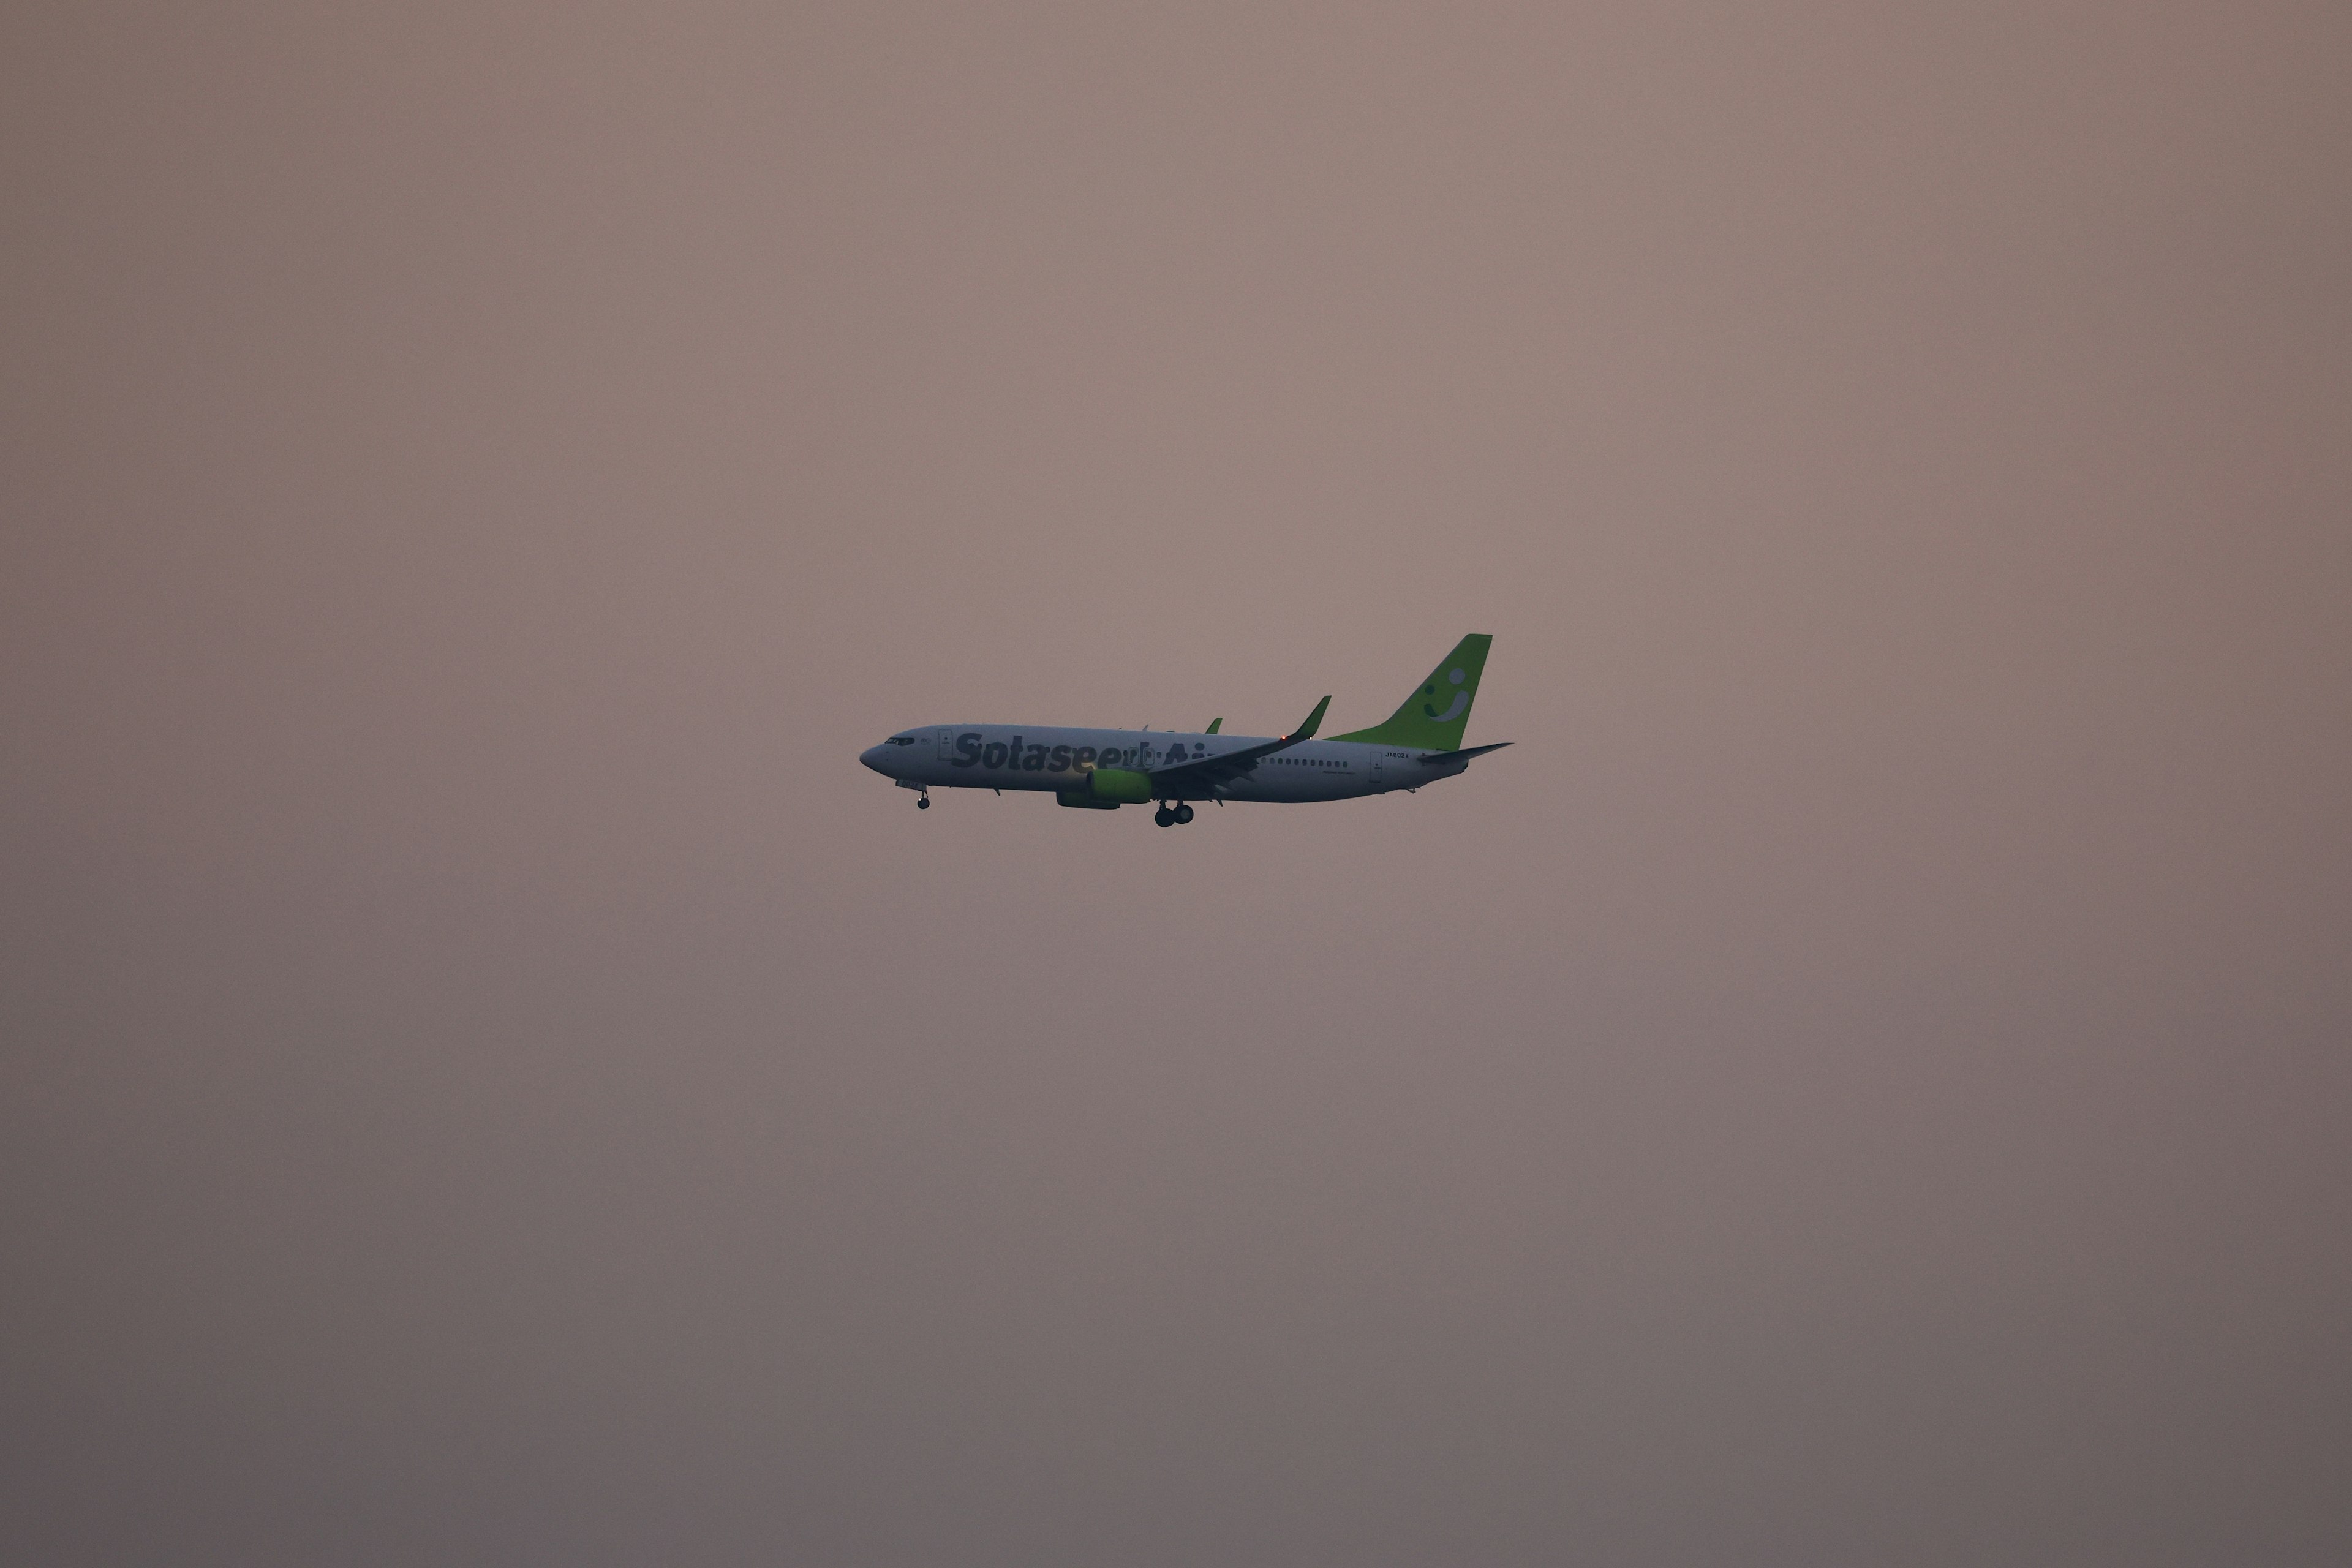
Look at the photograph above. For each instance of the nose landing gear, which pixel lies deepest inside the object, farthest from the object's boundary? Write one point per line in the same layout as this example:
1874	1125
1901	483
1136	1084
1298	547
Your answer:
923	801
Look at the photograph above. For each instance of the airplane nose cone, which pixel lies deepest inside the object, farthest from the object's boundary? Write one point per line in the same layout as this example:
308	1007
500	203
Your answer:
872	757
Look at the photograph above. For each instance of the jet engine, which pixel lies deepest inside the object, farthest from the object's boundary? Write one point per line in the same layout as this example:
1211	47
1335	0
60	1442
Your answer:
1105	788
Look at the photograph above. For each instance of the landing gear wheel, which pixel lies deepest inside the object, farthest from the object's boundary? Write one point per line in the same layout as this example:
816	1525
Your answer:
1165	817
1184	815
922	802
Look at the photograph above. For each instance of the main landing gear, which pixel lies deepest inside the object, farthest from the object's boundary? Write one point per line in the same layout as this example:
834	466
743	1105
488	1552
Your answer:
1173	817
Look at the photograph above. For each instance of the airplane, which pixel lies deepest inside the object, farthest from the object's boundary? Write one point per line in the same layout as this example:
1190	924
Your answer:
1102	770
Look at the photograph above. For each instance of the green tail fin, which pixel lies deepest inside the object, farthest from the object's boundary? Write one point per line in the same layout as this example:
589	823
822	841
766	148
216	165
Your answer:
1435	716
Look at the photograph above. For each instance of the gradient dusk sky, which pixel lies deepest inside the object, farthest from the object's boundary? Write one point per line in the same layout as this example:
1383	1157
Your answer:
486	1077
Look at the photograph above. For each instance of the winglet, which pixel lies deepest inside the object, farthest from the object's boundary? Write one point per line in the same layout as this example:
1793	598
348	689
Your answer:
1314	721
1212	725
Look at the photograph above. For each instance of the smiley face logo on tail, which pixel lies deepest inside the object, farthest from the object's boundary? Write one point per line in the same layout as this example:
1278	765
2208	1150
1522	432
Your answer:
1460	699
1436	709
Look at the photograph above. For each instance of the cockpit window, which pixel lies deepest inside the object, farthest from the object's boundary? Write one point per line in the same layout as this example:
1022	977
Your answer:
902	740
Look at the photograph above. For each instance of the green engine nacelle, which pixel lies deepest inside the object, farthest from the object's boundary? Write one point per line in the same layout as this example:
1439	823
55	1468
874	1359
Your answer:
1109	786
1080	798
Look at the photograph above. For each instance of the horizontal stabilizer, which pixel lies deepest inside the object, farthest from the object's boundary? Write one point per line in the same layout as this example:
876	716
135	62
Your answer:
1438	759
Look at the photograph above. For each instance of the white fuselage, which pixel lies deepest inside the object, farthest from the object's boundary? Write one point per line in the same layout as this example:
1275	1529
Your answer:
1047	757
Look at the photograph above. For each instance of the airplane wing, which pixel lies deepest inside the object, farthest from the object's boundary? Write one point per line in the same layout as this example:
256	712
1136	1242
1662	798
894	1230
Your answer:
1198	780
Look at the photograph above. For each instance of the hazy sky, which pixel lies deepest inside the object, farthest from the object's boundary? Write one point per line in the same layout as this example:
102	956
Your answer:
488	1078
